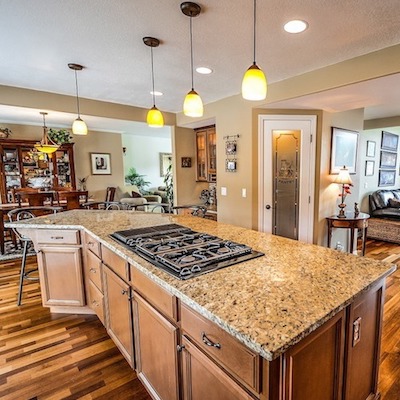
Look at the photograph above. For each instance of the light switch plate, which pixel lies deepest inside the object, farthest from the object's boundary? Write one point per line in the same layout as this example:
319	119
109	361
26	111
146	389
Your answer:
224	191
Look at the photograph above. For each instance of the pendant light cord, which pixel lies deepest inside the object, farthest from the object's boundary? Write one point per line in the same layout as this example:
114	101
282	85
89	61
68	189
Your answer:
191	52
77	95
254	33
44	130
152	75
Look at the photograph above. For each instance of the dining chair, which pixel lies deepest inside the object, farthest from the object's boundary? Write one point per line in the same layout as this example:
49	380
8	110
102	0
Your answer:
108	205
73	198
110	193
23	213
35	198
195	210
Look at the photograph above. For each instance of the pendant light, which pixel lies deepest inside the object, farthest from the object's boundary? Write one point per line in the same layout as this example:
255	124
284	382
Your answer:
155	118
254	84
46	145
193	105
79	126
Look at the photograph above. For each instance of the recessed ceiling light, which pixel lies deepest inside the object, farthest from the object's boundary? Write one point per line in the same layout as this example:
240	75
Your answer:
204	70
295	26
156	93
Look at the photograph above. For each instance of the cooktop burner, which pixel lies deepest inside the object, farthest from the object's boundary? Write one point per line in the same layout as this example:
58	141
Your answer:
183	252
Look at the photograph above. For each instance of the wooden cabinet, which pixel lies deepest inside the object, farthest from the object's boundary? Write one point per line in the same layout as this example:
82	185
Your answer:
206	154
60	268
203	379
20	167
118	307
156	341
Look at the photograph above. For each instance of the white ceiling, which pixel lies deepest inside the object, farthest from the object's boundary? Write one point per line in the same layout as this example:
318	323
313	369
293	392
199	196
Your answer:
39	38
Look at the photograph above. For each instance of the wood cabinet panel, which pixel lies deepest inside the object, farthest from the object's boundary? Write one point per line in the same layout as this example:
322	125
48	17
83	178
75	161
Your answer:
202	379
115	262
206	154
118	307
58	237
232	354
156	341
313	369
96	301
365	319
60	271
165	302
92	244
93	269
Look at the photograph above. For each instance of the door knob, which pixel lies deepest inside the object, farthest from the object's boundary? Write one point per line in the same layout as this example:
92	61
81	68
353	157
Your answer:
268	207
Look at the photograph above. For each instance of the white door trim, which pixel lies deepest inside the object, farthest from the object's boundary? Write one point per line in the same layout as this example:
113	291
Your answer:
307	233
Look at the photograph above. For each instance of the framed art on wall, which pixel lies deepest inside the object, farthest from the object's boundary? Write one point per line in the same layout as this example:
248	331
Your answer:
369	168
343	150
386	178
371	147
390	141
165	163
388	159
101	163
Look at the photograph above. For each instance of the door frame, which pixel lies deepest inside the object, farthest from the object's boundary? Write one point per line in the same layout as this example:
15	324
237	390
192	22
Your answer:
309	174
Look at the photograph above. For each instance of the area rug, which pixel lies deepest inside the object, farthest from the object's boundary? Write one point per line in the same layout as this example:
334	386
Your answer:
10	252
384	229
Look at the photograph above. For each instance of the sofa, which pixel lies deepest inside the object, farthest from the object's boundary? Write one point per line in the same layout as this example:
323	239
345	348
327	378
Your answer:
130	194
385	203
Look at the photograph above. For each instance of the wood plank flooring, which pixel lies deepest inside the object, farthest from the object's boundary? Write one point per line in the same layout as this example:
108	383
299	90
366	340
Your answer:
47	356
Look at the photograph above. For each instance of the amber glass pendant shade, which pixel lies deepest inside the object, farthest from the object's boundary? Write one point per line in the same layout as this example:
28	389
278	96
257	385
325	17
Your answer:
254	84
193	105
155	118
79	127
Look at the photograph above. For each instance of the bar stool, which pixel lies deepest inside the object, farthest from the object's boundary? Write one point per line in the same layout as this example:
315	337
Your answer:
23	213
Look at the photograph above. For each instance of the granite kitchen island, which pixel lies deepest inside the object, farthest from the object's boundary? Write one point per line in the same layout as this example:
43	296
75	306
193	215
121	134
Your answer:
300	322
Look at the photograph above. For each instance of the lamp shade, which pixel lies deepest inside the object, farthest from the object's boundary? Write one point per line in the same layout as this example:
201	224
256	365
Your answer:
46	148
79	127
254	84
193	105
155	118
344	177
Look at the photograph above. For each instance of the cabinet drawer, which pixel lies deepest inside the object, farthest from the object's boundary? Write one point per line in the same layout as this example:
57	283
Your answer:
96	301
56	236
116	263
165	302
94	270
231	354
92	244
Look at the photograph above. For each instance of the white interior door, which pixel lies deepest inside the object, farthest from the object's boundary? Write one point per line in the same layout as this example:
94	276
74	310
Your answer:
273	170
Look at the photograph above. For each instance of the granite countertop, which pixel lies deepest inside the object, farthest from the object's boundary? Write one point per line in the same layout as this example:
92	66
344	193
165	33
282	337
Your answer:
268	303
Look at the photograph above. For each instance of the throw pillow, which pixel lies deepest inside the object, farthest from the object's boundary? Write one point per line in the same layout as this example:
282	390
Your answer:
394	203
136	194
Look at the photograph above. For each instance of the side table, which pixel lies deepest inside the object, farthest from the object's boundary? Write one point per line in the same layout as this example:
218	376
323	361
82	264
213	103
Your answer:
351	222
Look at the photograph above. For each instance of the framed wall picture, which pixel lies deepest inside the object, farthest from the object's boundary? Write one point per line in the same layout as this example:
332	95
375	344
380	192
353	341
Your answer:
165	163
230	165
230	147
343	150
186	162
388	159
371	148
390	141
369	168
101	163
386	178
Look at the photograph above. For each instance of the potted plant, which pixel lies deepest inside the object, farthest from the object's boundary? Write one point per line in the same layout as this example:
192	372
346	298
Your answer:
59	136
133	178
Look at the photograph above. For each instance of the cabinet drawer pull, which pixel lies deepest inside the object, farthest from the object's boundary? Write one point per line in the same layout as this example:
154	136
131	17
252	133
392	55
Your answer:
208	342
180	348
123	291
93	270
57	237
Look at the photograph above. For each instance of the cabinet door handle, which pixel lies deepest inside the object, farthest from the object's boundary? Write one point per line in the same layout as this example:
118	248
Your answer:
93	270
123	291
209	342
179	348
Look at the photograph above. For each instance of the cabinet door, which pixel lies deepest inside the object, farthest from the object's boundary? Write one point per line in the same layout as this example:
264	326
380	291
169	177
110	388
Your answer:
313	368
201	156
364	331
212	154
117	300
63	167
156	341
60	269
202	379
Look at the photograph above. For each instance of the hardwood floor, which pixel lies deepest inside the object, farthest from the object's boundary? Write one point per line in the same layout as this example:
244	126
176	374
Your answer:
47	356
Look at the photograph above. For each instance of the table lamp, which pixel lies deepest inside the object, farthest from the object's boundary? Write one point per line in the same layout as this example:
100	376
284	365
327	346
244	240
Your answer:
343	179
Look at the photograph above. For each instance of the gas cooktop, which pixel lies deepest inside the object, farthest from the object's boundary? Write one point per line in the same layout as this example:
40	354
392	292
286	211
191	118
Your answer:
183	252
